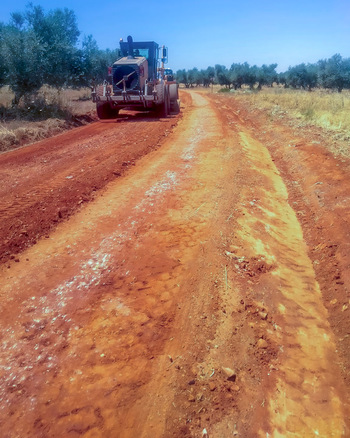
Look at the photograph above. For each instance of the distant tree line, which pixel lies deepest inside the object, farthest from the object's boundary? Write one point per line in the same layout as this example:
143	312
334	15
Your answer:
332	73
38	48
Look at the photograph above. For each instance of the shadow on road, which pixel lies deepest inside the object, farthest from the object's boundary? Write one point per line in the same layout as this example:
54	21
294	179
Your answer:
136	116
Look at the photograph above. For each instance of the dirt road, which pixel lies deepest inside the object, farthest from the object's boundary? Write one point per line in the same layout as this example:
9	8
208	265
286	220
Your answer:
163	278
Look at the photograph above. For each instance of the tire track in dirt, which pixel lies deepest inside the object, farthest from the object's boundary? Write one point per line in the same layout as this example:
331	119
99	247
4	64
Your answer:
308	399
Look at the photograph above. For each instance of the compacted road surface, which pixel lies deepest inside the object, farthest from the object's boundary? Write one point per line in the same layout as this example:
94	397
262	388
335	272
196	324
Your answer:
179	277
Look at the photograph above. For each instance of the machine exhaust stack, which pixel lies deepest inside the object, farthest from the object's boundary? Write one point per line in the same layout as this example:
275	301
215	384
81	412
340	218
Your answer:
130	48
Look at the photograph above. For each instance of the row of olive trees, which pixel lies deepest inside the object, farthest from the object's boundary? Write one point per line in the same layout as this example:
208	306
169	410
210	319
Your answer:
38	48
234	77
332	73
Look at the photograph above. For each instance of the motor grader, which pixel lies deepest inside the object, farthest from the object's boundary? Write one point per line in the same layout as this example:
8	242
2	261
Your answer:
138	81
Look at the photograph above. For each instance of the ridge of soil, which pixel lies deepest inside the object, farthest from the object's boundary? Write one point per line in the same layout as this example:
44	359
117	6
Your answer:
27	132
318	186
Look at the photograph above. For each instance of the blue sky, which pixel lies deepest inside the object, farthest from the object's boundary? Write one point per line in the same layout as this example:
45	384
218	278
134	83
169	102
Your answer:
203	33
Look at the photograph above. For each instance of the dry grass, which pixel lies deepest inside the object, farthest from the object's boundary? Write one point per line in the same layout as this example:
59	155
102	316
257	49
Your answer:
12	136
76	102
6	96
50	113
325	109
328	110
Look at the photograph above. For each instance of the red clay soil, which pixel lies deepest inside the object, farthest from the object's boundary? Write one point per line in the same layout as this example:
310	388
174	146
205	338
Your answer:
190	277
45	183
318	190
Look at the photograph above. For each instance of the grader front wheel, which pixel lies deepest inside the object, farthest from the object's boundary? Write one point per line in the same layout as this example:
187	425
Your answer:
163	97
174	99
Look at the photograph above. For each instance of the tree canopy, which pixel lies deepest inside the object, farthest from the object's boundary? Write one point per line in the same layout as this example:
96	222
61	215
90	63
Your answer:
38	48
332	73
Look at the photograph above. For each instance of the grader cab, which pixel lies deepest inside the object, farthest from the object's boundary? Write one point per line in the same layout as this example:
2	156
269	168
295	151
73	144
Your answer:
138	80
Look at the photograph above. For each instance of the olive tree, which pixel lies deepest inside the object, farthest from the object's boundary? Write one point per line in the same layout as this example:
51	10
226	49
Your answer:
223	76
38	48
334	73
23	63
302	76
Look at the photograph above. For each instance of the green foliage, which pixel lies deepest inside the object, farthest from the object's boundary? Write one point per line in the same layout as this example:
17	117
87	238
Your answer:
189	77
58	34
334	73
266	75
208	76
241	74
181	77
248	75
302	76
224	90
95	62
192	76
22	54
38	48
3	64
223	76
